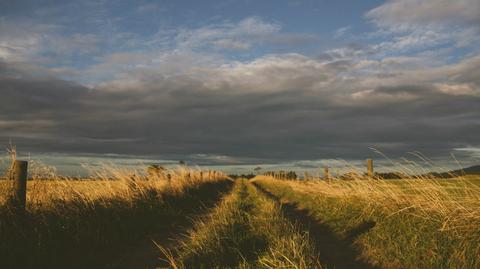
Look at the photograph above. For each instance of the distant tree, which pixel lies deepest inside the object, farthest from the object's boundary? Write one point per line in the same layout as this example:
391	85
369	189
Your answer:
269	173
247	176
291	175
257	169
282	174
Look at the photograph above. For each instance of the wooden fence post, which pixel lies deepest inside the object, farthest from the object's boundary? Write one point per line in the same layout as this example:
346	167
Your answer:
19	176
370	168
326	174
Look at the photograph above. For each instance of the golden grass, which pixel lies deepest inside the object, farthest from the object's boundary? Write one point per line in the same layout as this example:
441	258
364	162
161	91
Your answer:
110	182
80	223
419	223
247	230
453	202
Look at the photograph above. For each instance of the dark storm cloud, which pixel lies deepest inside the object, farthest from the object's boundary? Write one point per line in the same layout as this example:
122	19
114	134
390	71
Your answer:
309	114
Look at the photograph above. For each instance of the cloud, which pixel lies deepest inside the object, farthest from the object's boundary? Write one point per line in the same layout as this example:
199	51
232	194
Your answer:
471	151
276	108
180	51
150	7
20	41
36	43
253	26
340	32
419	24
242	91
406	14
418	39
458	89
231	44
47	49
247	32
244	35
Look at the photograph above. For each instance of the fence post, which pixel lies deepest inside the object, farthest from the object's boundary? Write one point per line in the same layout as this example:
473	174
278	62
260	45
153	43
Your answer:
19	176
326	174
370	168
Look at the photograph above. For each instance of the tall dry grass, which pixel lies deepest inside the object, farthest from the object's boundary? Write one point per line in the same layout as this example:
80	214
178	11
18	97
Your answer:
455	202
106	184
82	223
419	222
246	230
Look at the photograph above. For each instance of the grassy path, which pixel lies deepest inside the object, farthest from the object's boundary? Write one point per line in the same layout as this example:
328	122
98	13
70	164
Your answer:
336	252
247	230
383	233
109	231
143	254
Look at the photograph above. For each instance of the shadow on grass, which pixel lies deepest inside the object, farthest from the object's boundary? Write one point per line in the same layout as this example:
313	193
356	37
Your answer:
237	242
145	254
334	252
77	234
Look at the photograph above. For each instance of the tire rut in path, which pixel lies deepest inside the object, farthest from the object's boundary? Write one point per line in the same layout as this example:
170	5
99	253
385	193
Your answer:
334	252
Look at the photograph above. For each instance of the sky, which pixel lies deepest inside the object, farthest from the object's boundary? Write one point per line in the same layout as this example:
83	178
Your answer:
238	83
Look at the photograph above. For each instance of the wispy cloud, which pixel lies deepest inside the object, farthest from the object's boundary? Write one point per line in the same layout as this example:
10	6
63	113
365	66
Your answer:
418	24
151	7
340	32
247	32
404	15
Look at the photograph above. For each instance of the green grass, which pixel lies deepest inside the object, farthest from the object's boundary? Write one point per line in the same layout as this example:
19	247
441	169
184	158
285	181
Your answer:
247	230
413	235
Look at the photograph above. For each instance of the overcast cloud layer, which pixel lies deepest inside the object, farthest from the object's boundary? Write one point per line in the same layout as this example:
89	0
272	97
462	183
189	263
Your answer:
244	90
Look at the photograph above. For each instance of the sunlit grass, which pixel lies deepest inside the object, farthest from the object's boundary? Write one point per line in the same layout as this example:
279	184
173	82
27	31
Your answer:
82	223
455	202
247	230
420	222
107	183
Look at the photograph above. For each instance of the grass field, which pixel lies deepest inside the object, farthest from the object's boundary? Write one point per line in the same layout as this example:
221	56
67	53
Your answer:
82	224
187	218
395	224
247	230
